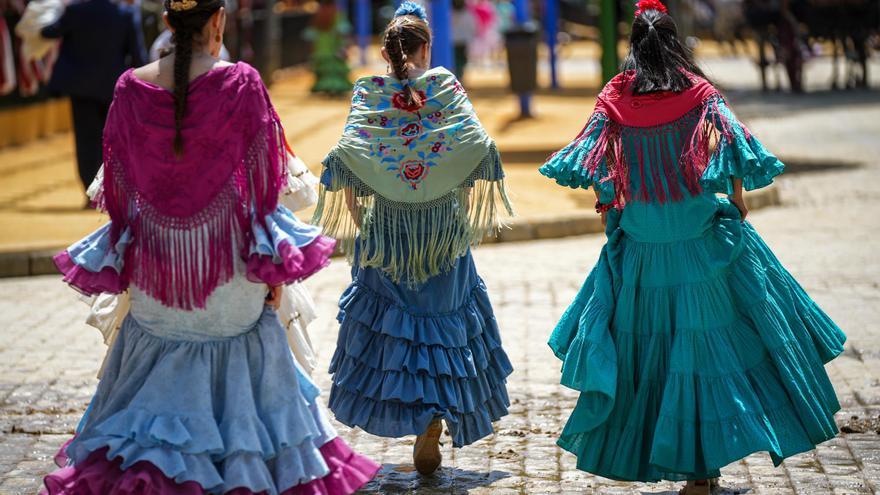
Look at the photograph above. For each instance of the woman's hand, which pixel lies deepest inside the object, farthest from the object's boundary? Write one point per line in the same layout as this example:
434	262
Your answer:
273	298
738	201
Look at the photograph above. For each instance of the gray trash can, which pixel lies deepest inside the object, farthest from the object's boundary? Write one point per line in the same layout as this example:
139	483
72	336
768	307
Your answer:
522	57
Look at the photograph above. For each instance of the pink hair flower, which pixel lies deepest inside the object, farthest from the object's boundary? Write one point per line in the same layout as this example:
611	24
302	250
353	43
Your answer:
644	5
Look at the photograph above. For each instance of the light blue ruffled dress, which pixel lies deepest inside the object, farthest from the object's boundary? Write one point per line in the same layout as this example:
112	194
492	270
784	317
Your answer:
691	345
407	355
207	400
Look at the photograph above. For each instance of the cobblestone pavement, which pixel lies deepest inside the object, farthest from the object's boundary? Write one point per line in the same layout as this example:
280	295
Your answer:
825	233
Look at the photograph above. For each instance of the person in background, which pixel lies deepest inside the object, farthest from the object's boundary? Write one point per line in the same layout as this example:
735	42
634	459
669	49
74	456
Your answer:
464	29
328	34
100	40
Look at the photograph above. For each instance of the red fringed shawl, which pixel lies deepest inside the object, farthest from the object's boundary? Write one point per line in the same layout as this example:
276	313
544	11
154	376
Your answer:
190	216
651	115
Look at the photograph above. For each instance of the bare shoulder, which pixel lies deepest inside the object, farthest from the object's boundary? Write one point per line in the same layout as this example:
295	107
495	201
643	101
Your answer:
149	72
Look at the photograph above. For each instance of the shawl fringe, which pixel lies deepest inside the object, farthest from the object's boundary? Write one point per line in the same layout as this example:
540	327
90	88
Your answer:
182	260
694	133
412	242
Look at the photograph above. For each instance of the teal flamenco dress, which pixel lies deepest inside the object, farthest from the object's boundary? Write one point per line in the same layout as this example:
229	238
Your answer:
691	345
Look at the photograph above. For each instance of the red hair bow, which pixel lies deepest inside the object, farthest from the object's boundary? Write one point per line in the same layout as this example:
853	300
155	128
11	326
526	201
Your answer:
644	5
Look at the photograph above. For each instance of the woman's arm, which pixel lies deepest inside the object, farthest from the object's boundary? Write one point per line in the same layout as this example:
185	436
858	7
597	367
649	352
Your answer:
354	207
737	198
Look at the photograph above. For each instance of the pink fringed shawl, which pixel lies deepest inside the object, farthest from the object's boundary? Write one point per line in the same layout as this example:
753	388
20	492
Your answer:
649	115
190	216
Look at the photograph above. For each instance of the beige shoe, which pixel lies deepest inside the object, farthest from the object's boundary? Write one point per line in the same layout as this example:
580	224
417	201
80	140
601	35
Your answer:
698	487
426	451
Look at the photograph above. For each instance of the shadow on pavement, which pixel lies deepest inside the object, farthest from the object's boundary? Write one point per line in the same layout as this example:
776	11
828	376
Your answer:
753	103
722	490
400	478
502	91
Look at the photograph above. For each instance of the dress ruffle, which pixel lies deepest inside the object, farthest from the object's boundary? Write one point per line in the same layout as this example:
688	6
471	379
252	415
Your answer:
217	413
569	167
693	354
97	475
95	264
285	250
396	370
739	154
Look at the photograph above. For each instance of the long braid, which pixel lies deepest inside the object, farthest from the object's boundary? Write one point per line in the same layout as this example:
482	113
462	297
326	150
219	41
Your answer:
404	35
188	18
182	60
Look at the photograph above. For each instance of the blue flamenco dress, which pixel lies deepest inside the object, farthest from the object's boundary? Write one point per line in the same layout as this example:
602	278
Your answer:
691	345
206	400
411	353
408	189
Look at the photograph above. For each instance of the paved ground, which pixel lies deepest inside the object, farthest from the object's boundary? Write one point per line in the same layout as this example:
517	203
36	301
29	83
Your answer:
826	234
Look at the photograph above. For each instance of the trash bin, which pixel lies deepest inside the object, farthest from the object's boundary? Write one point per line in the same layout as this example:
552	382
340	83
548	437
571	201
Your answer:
266	39
522	57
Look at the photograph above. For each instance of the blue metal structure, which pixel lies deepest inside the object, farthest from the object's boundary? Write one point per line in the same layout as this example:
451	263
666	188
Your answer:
363	26
441	25
551	33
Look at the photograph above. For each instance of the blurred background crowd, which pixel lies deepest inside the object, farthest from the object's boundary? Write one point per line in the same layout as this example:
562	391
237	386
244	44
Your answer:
59	60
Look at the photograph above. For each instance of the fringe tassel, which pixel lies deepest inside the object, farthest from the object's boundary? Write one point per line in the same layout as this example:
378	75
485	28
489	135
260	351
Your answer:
182	260
653	153
412	242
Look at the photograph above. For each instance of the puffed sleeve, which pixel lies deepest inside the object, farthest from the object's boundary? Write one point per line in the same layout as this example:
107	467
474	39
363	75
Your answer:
286	250
738	154
95	264
571	166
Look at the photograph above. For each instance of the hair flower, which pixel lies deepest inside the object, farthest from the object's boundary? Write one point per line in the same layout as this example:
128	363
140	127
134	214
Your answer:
644	5
411	8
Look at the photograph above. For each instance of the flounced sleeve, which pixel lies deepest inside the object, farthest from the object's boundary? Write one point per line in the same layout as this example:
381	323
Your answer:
95	264
285	250
572	165
738	154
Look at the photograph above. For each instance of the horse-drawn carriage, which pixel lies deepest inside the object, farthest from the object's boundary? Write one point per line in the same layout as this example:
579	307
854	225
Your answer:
786	32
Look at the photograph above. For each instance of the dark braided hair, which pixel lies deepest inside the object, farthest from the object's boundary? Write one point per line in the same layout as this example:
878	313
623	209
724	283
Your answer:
658	58
404	36
188	19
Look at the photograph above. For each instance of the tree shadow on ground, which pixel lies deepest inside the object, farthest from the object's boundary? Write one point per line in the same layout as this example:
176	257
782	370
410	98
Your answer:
400	478
753	103
502	91
722	490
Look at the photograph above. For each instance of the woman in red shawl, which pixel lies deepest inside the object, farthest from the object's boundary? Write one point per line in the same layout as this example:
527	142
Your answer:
690	343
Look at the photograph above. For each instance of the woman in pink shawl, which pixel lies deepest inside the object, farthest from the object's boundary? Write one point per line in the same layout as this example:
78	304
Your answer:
200	393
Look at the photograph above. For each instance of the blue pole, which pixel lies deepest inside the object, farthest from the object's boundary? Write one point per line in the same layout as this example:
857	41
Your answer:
362	23
441	24
521	16
521	11
551	29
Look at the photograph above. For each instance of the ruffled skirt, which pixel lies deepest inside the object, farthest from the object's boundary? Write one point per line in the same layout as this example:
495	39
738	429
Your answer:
405	357
690	355
226	415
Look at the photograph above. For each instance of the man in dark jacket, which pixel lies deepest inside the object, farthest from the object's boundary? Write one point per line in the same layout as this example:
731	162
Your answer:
100	39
